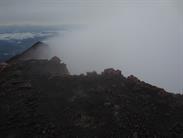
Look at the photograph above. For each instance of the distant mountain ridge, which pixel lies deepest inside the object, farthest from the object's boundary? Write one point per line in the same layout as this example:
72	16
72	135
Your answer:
39	50
35	59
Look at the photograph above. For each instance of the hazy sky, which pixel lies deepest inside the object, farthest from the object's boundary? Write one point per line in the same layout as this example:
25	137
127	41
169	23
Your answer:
140	37
71	11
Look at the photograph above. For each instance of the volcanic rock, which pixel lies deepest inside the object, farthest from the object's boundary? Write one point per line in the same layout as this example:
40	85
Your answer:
39	99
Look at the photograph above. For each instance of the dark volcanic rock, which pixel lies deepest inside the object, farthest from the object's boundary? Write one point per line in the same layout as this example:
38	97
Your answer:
3	66
41	105
43	67
39	99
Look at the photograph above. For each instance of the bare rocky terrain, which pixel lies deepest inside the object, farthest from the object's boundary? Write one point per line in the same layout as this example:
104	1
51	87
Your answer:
39	99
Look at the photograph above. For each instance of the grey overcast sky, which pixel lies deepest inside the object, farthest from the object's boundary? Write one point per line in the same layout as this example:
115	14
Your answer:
51	12
141	37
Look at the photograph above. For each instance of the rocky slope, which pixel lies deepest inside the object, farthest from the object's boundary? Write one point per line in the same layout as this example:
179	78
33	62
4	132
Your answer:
36	102
39	50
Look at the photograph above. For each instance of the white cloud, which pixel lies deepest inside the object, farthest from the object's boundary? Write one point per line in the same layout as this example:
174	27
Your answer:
22	36
139	35
141	41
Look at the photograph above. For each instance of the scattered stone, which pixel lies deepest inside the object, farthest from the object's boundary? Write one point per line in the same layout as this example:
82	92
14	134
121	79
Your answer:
111	72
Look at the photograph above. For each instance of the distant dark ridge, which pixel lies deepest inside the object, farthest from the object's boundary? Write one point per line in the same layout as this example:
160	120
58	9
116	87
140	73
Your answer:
39	50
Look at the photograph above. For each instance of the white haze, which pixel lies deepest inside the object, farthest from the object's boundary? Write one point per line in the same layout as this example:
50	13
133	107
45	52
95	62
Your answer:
140	37
143	41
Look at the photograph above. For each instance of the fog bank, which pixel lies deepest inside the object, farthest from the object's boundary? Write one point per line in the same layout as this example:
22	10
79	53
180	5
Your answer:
142	41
